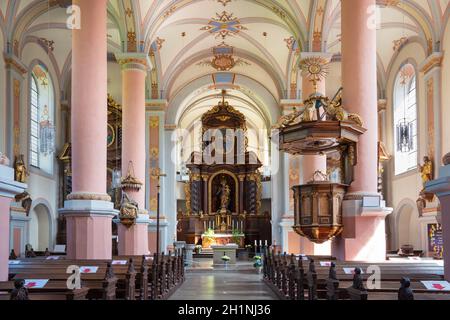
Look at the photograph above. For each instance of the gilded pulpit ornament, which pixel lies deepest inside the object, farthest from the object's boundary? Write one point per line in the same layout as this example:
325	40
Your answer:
129	209
315	69
130	182
322	127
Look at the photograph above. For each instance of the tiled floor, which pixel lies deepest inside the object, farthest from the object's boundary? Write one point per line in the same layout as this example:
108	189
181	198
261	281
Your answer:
206	283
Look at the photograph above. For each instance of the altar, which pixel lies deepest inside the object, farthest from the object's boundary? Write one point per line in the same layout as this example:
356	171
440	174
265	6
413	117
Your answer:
223	196
222	239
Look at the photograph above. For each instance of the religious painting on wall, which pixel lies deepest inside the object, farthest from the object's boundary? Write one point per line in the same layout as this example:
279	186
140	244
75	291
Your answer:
435	240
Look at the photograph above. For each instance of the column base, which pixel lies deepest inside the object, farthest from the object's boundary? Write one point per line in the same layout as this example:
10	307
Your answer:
163	228
133	241
364	235
89	229
8	190
441	187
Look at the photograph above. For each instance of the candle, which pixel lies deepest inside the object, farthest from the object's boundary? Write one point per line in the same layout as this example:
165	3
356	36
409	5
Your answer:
256	243
266	243
260	243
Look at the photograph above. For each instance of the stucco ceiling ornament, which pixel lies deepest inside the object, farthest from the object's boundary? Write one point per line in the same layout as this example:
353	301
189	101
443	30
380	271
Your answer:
224	25
223	59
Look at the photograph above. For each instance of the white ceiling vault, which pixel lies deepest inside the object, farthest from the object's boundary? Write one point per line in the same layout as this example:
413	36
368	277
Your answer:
263	38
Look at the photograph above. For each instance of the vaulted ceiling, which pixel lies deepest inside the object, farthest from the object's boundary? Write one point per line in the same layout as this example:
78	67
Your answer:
264	38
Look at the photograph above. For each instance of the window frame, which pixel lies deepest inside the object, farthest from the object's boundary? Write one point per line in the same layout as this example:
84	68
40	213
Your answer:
398	106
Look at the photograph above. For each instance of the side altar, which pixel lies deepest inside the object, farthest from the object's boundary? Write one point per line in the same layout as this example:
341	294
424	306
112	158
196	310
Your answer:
223	194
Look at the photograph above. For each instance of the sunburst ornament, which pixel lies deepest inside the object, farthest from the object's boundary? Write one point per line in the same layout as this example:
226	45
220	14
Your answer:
315	69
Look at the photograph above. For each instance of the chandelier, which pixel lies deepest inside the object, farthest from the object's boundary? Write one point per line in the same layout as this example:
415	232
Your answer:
47	133
404	136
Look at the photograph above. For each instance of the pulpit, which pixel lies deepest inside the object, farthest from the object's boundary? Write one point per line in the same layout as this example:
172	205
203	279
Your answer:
223	194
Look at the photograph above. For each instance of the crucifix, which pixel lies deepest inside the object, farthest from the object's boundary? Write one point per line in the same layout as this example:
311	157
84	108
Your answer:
156	174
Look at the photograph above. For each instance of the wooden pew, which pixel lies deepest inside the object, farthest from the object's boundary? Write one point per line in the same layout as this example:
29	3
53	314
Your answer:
54	290
288	278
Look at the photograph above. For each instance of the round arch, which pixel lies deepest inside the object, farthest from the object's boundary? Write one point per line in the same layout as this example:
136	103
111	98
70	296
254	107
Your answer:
41	225
405	227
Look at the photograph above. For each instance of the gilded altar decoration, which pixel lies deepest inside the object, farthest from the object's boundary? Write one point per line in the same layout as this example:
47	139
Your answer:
20	170
224	25
220	193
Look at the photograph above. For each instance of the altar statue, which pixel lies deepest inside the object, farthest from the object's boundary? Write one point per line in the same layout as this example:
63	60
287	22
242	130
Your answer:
225	193
426	170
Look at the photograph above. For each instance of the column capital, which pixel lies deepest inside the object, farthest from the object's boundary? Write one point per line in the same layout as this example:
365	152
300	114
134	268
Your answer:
156	104
134	61
326	56
433	61
12	62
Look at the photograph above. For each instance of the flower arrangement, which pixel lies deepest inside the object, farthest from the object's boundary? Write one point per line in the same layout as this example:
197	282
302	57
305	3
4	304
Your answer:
258	262
225	258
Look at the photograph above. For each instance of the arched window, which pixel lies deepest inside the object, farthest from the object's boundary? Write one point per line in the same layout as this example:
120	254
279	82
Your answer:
405	120
42	114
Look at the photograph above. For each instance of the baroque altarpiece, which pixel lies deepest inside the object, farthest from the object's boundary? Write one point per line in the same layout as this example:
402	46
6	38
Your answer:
223	194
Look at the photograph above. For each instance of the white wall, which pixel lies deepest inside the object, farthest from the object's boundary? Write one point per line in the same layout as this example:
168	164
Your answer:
2	99
407	186
41	185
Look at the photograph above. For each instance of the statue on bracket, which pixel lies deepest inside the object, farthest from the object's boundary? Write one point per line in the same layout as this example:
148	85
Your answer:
427	174
20	171
129	210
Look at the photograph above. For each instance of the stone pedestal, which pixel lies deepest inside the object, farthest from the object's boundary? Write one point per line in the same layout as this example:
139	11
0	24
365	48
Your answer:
89	232
179	245
228	250
364	235
441	187
163	227
8	190
133	241
189	258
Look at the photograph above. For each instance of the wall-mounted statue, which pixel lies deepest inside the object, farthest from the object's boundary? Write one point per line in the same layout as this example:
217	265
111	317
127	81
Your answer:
25	200
20	171
427	170
129	210
4	161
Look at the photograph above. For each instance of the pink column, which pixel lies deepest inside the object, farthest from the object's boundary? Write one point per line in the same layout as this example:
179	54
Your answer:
4	237
359	79
89	92
134	240
8	189
364	236
88	210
